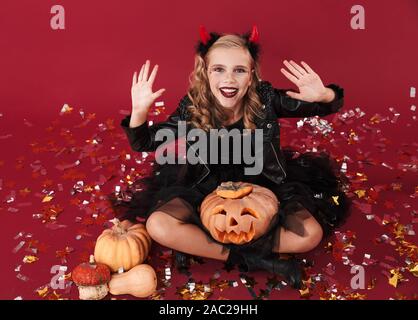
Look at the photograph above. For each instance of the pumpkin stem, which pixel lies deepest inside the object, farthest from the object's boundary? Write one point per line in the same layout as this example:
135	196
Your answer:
233	190
115	221
117	226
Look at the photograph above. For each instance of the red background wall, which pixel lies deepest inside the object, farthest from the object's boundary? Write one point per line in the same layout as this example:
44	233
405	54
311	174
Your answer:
91	62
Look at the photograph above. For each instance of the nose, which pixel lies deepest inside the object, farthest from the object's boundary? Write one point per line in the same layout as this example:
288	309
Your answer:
229	77
229	74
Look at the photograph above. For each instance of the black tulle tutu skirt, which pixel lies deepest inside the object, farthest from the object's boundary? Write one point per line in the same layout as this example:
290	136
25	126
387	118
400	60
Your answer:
313	182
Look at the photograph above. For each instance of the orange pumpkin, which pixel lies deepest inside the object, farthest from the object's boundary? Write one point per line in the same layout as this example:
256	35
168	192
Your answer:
125	245
238	212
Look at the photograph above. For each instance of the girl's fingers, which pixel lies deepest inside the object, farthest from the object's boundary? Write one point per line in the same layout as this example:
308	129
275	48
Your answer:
292	69
146	70
293	95
308	68
158	94
290	76
141	73
298	67
153	74
134	80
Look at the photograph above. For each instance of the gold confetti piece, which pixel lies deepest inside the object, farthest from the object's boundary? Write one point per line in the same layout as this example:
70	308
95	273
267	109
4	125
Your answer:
399	231
372	284
353	137
88	189
414	269
396	276
156	296
328	246
375	119
356	296
43	292
393	281
362	176
196	291
47	198
335	198
55	296
30	259
360	193
305	293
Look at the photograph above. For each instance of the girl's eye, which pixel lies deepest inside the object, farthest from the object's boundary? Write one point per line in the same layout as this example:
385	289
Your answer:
219	69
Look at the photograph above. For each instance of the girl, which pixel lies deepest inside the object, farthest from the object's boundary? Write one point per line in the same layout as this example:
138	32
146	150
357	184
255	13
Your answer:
226	91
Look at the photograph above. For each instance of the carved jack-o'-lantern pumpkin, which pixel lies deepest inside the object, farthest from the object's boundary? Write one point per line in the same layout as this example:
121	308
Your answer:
238	212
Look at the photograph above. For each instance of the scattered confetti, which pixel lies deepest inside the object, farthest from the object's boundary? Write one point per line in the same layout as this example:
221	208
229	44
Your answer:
30	259
81	160
66	109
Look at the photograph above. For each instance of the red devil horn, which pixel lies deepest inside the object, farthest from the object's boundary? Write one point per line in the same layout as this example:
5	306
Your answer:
204	35
254	35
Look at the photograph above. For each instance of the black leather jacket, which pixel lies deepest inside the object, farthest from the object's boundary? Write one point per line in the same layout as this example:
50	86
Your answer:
276	104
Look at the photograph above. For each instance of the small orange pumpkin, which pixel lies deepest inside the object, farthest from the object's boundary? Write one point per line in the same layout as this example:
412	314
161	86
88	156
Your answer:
125	245
238	212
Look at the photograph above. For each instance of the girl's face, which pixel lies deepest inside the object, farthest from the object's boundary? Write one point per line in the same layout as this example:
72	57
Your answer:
230	75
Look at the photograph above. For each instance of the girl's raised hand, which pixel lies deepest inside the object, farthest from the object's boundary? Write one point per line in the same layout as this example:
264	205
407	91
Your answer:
142	95
310	86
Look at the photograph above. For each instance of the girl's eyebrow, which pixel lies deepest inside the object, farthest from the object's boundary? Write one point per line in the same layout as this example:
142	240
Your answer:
221	65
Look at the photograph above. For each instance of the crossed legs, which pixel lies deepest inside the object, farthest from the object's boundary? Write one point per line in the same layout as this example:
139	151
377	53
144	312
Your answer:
301	233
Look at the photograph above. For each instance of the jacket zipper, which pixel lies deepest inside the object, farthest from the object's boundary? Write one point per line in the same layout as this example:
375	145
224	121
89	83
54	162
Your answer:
202	162
277	159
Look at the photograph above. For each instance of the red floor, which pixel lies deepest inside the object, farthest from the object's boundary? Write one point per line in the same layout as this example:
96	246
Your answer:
54	176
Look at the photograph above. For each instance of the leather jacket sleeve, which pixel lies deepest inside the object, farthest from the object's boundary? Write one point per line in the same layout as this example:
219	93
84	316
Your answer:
142	138
287	107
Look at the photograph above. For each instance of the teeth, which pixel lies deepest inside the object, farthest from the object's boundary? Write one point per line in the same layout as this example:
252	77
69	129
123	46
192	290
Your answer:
229	90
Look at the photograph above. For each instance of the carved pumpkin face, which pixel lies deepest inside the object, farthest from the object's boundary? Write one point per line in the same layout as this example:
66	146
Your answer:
238	212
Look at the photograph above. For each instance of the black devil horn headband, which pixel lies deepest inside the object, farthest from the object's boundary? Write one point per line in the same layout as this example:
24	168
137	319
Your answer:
208	39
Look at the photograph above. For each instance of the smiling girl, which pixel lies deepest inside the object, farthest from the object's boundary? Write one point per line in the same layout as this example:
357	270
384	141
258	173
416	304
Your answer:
226	91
